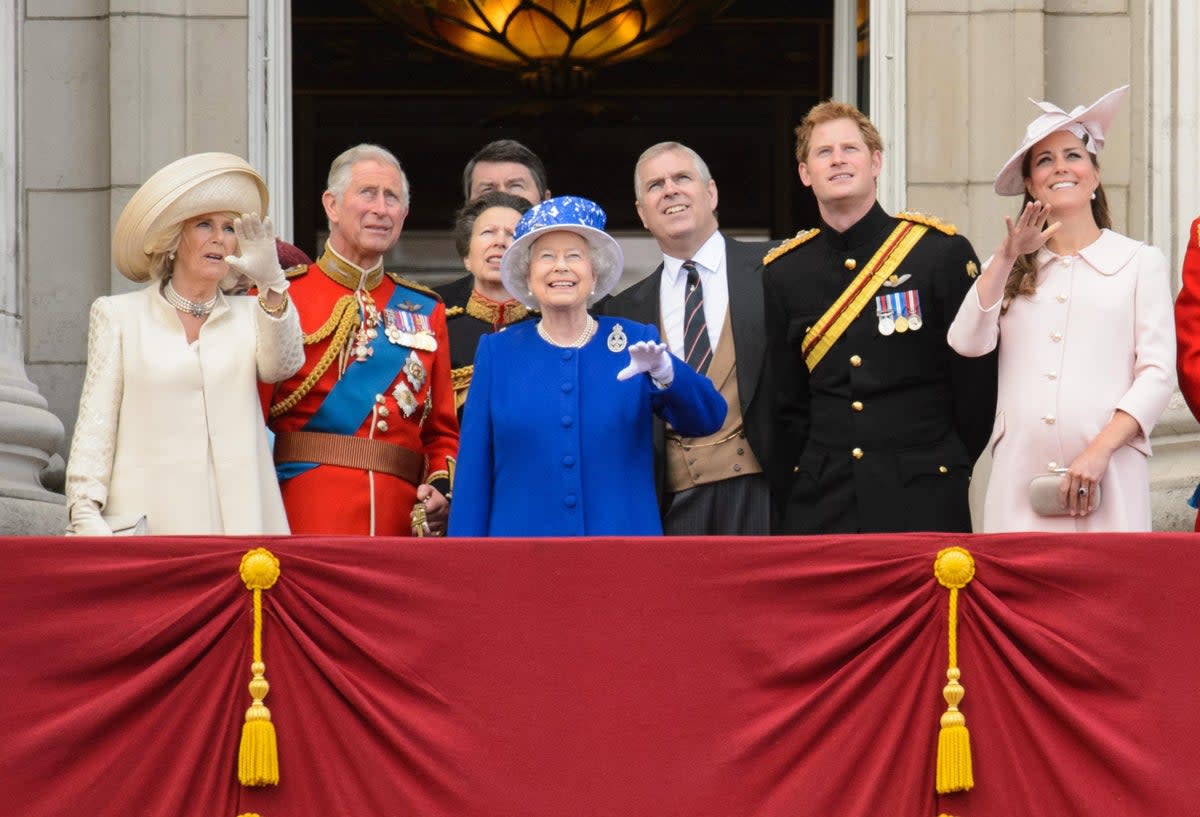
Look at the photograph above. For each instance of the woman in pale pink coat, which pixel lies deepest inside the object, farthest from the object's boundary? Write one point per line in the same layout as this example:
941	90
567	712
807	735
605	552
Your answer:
1083	317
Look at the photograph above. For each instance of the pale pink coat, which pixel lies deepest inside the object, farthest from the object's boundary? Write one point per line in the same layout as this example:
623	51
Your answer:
1098	335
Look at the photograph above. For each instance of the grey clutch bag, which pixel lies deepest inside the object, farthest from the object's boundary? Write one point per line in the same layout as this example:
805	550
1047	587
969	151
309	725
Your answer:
1043	494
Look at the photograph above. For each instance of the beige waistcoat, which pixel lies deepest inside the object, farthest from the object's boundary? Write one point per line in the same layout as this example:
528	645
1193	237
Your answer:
692	461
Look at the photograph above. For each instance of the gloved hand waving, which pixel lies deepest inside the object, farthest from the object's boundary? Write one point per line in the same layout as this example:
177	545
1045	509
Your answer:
258	260
651	358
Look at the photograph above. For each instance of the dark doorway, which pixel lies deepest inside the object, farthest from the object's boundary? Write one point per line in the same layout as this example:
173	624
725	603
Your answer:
733	89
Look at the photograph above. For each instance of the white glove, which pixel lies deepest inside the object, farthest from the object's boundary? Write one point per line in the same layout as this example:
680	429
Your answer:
258	260
651	358
87	521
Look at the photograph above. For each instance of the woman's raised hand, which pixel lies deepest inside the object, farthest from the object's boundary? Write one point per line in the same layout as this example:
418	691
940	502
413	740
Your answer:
1030	233
651	358
257	258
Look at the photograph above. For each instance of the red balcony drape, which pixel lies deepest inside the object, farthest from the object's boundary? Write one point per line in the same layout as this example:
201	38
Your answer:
600	677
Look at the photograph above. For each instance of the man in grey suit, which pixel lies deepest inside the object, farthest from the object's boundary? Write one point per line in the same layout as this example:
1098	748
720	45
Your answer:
706	298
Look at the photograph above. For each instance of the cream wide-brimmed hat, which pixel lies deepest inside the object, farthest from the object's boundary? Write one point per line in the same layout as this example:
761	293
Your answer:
186	188
1090	124
574	215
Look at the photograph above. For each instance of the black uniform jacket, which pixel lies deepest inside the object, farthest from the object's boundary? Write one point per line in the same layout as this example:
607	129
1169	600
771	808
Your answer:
464	330
883	433
743	273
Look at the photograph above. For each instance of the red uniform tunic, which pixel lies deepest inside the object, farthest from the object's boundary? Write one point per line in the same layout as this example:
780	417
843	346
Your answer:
414	410
1187	325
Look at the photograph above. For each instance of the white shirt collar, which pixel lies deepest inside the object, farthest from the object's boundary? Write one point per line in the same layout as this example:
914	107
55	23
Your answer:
707	258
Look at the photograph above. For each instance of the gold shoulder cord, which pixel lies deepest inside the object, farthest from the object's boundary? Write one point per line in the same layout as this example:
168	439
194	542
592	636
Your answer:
341	322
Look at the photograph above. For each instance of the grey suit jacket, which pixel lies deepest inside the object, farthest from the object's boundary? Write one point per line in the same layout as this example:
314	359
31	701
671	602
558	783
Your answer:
744	272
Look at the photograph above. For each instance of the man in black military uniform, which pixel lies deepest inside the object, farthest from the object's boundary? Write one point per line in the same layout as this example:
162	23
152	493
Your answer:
879	422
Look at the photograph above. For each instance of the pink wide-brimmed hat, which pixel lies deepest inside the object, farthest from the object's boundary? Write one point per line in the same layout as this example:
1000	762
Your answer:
1089	124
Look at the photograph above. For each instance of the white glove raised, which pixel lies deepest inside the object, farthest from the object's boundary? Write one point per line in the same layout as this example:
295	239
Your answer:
258	259
651	358
87	521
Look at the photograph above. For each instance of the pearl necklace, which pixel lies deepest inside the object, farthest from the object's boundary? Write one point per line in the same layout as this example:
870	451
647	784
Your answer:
196	309
589	326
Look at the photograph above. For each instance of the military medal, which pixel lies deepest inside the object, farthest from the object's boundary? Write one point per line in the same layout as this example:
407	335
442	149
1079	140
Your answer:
913	301
617	339
883	311
414	370
409	329
366	330
405	399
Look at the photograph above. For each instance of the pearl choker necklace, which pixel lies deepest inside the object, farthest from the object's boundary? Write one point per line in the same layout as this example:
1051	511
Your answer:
196	309
589	326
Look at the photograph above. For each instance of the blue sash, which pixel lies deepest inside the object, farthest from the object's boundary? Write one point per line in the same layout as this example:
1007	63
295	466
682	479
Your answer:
342	411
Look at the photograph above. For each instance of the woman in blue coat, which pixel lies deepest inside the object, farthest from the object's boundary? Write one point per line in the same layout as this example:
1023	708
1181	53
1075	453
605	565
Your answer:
556	439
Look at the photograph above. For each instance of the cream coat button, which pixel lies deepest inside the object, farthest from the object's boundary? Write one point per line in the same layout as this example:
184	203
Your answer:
1056	336
1061	298
1048	419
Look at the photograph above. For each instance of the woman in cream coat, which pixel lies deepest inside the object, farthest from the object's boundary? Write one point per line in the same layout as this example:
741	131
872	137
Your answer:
170	427
1084	323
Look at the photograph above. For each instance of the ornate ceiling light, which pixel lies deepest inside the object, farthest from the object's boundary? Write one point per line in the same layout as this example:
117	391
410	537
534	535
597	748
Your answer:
554	44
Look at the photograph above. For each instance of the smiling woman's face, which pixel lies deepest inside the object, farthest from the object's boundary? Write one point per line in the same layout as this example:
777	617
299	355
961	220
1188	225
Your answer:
203	244
560	271
1061	172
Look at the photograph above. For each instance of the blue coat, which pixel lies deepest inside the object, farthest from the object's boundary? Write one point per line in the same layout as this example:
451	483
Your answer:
553	444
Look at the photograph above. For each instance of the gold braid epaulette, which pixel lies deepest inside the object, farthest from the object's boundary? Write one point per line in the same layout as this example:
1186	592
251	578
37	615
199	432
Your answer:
341	322
454	311
404	282
791	244
295	272
928	220
460	381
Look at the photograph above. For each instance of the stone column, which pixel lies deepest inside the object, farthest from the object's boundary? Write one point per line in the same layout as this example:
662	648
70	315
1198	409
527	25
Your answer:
29	434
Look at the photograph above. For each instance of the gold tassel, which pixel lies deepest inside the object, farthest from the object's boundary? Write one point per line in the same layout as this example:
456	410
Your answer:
258	755
954	568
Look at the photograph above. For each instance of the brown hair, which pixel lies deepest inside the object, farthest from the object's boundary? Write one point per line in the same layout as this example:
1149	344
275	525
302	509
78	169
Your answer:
1023	278
464	219
829	111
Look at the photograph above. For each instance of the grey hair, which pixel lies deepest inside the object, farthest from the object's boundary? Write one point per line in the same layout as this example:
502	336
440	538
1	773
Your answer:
343	167
654	151
606	265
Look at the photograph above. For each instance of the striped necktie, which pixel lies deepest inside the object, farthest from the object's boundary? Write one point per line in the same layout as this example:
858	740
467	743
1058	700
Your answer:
697	350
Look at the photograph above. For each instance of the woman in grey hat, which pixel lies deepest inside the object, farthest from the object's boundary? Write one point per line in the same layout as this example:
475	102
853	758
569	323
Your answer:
170	436
1082	315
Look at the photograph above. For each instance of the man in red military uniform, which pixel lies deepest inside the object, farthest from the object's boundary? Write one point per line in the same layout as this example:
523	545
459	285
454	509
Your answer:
1187	330
366	432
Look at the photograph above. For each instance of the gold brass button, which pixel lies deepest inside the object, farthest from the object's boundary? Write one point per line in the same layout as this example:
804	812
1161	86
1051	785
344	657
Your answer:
857	405
943	469
1048	419
795	469
855	361
1056	336
857	453
850	263
382	425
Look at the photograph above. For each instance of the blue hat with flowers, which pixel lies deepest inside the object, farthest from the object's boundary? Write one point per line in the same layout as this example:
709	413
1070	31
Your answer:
575	215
